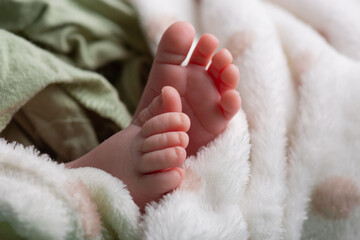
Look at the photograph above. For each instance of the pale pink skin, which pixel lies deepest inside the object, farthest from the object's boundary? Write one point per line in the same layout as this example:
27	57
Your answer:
149	154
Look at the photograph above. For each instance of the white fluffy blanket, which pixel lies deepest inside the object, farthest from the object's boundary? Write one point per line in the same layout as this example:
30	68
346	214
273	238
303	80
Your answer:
287	167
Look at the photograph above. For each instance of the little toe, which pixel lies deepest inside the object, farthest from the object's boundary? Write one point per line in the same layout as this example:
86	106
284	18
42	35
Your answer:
168	101
175	43
166	122
230	103
229	78
164	140
152	186
218	63
204	50
159	160
163	181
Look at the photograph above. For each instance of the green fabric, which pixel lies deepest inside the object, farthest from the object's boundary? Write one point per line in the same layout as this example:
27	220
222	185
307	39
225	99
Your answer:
85	48
88	33
8	233
60	127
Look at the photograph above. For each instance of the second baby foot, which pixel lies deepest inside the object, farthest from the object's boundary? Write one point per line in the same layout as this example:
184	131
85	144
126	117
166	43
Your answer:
208	94
149	154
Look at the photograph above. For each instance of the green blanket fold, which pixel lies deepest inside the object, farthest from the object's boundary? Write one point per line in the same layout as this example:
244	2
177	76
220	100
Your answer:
69	43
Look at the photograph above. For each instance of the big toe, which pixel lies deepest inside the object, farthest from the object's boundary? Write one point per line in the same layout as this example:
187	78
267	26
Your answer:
175	43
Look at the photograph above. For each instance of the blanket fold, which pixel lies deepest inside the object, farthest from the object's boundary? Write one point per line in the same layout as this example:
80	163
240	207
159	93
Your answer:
43	200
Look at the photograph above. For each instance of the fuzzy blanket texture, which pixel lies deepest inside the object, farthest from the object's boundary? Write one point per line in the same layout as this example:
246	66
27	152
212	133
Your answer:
287	167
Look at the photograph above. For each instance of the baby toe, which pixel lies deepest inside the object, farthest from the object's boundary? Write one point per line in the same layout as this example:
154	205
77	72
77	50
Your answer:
204	50
168	101
219	61
229	78
166	122
164	140
160	160
163	182
151	187
230	103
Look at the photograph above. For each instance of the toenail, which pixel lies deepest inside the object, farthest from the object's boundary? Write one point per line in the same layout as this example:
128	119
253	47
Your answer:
184	119
178	152
183	139
180	171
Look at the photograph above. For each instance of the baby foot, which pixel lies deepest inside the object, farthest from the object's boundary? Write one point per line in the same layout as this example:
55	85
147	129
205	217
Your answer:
148	155
208	95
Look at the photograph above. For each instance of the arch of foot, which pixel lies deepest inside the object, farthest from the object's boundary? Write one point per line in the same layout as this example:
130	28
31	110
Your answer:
336	197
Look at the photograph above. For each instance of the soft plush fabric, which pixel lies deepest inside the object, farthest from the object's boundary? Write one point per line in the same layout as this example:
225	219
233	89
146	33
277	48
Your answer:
287	166
42	200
